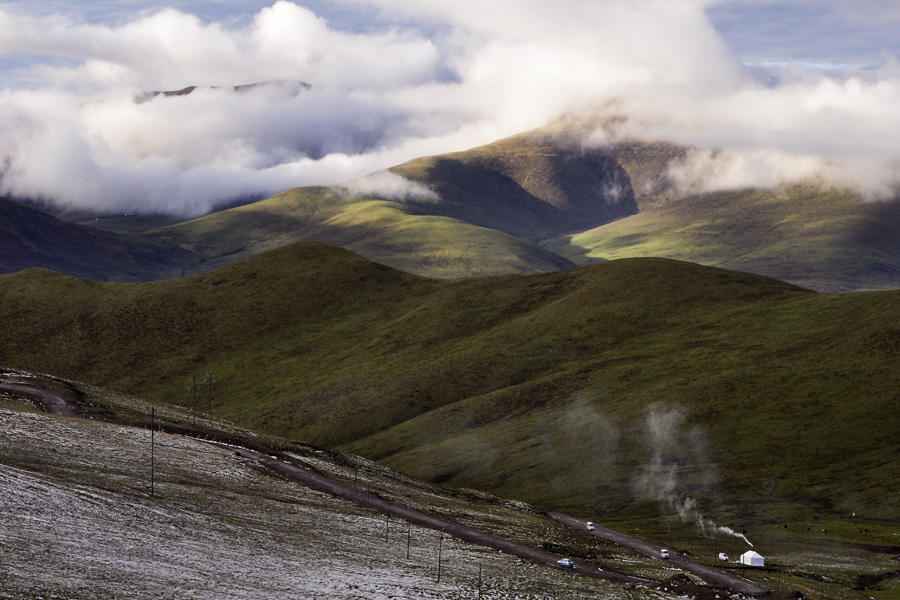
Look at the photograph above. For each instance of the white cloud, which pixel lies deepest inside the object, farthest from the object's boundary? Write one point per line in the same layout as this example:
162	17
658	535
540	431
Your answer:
390	186
453	75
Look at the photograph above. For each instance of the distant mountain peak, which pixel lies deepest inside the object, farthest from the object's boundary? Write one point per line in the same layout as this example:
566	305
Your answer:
292	87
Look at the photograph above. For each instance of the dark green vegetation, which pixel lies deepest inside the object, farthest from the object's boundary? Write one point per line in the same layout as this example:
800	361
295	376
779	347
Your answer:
32	238
535	387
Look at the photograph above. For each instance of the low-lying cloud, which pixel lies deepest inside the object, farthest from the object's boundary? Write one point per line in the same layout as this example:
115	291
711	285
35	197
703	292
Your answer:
390	186
423	78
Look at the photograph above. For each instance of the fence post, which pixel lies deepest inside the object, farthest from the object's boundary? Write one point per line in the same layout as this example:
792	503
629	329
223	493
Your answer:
440	549
153	451
408	538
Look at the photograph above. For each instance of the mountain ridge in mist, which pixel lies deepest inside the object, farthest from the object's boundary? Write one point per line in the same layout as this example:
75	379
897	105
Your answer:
543	201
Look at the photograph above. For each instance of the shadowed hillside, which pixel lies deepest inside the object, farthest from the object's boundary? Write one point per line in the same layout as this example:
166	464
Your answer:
533	386
529	185
32	238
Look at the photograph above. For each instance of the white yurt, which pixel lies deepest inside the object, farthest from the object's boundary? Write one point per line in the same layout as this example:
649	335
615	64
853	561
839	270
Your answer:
751	558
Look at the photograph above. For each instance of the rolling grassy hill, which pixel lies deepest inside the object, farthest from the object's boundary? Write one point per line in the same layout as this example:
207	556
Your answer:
538	387
382	230
812	235
495	203
32	238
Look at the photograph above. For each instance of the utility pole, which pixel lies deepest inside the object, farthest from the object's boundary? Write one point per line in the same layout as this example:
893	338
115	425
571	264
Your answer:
440	549
195	397
153	451
387	525
480	578
408	538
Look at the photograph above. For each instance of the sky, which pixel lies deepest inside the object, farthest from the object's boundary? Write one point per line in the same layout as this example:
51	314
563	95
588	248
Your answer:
824	33
767	91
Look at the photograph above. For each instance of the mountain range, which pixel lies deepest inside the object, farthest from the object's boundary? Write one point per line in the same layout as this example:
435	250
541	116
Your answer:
535	202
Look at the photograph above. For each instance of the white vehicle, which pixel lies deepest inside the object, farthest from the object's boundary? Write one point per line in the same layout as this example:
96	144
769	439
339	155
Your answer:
590	526
566	563
664	554
723	557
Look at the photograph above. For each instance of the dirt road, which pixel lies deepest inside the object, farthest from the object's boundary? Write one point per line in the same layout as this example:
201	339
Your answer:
711	576
304	475
56	403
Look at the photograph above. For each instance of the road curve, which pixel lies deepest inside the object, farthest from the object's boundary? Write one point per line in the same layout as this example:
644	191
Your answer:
711	576
310	478
52	402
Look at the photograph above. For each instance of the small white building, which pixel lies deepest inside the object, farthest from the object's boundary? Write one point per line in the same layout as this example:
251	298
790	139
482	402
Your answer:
751	558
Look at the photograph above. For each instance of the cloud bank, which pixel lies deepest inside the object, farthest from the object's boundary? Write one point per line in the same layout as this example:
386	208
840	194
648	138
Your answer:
421	78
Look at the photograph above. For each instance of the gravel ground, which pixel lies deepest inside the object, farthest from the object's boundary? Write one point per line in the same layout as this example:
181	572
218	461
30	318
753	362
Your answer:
77	521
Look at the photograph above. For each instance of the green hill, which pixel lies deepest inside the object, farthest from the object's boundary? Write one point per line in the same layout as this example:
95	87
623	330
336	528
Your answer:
537	387
815	236
381	230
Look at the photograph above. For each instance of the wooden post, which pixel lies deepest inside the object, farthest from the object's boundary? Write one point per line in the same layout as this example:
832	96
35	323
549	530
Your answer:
440	549
152	451
408	538
387	525
480	579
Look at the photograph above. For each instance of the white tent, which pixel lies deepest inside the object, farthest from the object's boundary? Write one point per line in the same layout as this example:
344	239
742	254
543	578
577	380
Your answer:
752	559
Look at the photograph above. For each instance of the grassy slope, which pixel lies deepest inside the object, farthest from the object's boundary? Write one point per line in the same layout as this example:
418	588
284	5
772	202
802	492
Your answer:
32	238
383	231
511	384
826	239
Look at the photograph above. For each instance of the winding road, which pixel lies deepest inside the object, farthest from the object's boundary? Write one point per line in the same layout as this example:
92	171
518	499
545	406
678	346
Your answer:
51	402
709	575
65	404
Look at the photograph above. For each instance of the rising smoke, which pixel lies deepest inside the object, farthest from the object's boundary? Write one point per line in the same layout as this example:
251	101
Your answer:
679	465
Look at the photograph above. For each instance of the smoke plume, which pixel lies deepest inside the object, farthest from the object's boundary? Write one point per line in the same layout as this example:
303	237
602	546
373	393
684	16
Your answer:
678	468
